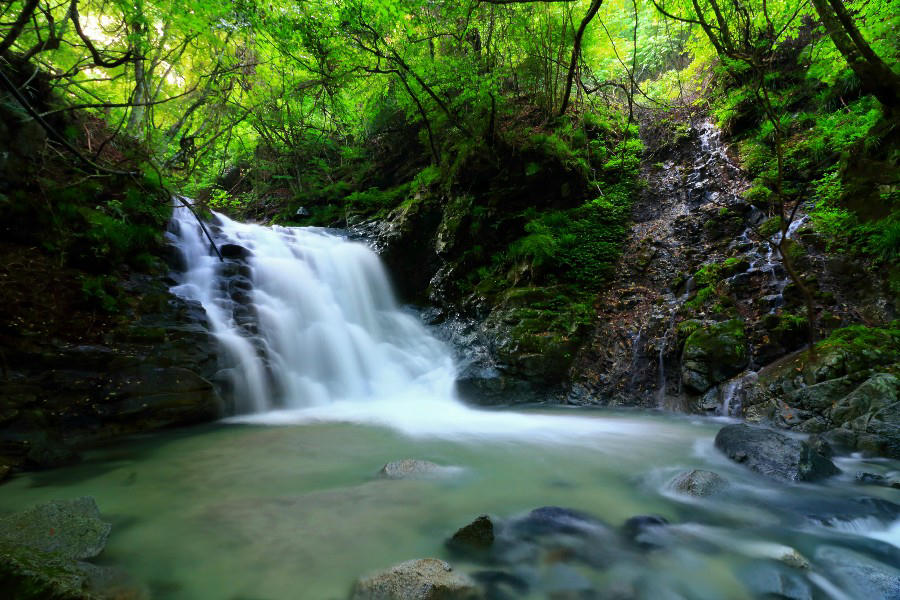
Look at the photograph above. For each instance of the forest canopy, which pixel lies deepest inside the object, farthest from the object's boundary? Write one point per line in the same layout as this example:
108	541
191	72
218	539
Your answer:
203	84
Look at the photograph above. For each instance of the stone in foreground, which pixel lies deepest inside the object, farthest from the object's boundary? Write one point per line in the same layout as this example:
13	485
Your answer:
773	454
698	483
421	579
68	528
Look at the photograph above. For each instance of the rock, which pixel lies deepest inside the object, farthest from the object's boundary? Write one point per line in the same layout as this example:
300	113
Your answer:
712	354
421	579
48	452
477	535
698	483
68	528
161	397
872	410
410	468
773	454
235	252
860	576
29	574
870	478
549	520
768	580
641	529
500	585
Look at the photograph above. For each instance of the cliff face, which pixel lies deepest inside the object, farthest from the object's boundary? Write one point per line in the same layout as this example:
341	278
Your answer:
698	301
92	344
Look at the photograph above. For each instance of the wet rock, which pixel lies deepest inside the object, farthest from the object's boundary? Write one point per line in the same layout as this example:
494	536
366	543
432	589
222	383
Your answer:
70	529
29	574
872	410
477	535
159	397
422	579
870	478
768	580
875	479
410	468
549	520
563	582
860	576
641	530
46	451
500	585
698	483
773	454
235	252
712	354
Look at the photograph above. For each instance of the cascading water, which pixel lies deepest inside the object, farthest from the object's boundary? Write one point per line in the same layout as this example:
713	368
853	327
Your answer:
310	331
306	318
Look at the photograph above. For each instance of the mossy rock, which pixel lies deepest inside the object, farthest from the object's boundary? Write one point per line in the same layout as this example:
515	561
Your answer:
714	353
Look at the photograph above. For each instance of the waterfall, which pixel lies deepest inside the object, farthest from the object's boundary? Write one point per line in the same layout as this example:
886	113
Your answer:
305	318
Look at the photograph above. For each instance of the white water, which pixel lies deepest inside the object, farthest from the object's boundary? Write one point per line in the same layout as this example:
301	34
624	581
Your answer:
325	339
328	326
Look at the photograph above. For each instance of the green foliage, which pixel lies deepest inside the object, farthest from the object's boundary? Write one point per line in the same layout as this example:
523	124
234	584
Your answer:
578	246
100	290
860	339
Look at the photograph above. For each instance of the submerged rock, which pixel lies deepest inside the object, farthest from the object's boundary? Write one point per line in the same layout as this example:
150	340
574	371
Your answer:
698	483
477	535
411	468
859	575
70	529
773	454
500	585
42	552
643	530
421	579
768	580
29	574
549	520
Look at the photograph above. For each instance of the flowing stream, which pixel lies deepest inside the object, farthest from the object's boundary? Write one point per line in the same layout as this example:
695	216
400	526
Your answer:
333	379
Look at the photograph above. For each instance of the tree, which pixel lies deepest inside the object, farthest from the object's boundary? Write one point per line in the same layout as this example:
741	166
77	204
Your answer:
875	76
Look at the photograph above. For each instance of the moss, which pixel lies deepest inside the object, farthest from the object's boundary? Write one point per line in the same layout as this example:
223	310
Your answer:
770	227
861	339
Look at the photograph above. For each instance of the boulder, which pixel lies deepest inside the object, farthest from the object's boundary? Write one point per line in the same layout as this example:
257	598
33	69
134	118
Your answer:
872	411
421	579
698	483
712	354
773	454
70	529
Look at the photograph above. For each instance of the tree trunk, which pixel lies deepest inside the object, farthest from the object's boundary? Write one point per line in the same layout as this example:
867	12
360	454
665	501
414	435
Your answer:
875	76
141	95
17	26
576	53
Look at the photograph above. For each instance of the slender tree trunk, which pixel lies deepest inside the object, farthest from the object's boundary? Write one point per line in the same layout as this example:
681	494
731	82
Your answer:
576	53
141	96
